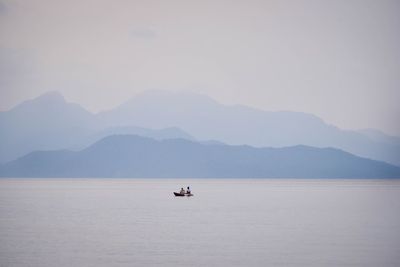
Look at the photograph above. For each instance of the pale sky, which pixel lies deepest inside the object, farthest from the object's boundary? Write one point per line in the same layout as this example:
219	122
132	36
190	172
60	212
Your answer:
339	60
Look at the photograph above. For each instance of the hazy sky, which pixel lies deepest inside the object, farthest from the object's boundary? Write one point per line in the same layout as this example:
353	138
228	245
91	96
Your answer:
339	60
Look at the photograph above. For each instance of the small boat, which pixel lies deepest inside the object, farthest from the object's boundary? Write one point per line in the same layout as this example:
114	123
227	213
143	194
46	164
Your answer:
182	195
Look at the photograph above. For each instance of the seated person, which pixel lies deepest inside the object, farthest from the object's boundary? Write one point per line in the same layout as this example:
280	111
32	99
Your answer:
188	190
182	191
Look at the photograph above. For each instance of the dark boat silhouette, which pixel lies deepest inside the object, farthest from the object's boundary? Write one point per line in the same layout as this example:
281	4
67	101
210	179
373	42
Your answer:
182	195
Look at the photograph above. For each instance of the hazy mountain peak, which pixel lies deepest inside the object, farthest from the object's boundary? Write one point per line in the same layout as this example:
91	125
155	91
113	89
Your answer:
49	102
51	97
45	122
48	99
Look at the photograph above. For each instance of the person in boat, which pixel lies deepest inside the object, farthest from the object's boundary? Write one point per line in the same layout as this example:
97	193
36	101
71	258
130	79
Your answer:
188	191
182	191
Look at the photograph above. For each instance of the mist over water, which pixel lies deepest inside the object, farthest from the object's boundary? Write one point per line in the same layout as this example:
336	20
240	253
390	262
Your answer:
248	222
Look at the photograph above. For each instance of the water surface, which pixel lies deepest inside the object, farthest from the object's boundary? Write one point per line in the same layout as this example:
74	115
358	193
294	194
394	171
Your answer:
137	222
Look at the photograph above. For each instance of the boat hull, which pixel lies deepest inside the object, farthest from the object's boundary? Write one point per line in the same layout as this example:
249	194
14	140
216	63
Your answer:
182	195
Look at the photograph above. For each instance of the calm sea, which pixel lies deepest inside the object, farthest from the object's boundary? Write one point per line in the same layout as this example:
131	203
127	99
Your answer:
137	222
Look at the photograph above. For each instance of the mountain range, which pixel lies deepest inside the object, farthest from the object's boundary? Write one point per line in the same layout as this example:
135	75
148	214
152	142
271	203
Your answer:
50	123
135	156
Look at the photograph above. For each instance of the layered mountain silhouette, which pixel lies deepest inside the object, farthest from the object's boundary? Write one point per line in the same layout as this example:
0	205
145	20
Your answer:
50	123
206	119
134	156
45	123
